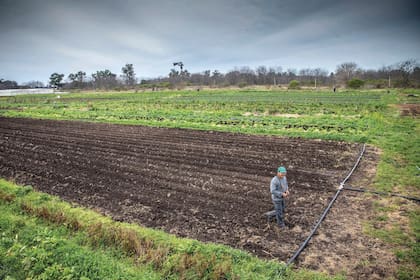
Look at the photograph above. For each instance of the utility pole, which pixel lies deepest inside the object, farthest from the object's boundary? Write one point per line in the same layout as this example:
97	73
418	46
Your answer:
389	79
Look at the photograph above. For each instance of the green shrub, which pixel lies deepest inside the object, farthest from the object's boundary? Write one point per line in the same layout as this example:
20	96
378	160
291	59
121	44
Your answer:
294	84
355	83
242	84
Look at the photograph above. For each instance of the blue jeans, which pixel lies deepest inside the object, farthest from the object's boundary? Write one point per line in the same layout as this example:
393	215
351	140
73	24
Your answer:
279	206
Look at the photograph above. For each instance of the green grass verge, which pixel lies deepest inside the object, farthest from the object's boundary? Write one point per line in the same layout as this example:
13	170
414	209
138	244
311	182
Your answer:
43	237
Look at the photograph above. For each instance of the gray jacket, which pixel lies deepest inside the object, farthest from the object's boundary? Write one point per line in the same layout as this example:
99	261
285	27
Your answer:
278	187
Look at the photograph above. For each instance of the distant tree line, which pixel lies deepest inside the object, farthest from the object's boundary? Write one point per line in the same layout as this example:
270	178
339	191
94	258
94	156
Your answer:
347	74
101	79
8	84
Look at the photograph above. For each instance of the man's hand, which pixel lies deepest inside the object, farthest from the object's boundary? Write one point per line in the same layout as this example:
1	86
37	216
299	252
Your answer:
286	194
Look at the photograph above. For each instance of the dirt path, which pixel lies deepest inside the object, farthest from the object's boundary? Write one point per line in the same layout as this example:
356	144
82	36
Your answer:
209	186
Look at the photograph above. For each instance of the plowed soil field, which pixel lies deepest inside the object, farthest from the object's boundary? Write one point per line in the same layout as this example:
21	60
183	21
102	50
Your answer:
210	186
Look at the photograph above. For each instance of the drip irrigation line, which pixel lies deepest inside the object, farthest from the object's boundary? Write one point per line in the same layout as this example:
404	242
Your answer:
355	165
350	188
297	253
324	214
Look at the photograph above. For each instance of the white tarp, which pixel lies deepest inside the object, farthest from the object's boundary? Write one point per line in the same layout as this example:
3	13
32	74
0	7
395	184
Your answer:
13	92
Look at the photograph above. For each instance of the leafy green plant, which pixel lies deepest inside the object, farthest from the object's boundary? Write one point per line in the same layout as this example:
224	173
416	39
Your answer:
355	83
294	84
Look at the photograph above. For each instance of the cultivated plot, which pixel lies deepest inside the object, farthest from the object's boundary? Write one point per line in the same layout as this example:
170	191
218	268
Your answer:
209	186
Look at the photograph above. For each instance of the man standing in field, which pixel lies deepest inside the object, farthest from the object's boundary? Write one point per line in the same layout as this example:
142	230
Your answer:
279	191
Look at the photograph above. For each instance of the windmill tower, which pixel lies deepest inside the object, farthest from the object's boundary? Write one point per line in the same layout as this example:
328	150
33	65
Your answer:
180	64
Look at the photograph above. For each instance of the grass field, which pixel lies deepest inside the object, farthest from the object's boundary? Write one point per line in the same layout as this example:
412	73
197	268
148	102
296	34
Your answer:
315	114
355	116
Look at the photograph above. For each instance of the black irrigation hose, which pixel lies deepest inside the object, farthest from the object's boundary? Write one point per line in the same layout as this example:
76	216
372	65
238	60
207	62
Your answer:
297	253
355	165
382	193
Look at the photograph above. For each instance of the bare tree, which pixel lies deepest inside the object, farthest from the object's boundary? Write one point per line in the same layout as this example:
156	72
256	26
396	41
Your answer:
262	75
385	73
289	75
407	68
319	75
206	77
271	76
233	77
415	76
345	71
247	76
34	84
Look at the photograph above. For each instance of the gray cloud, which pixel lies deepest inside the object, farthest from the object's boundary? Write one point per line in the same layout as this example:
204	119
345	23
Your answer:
43	36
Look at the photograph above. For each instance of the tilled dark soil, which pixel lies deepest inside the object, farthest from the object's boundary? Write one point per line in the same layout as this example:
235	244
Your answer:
209	186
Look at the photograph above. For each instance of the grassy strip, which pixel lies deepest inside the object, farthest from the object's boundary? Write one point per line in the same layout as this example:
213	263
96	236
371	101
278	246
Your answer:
397	222
46	238
33	248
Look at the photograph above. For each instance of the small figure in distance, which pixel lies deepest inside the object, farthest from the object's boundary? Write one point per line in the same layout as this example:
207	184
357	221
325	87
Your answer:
279	191
335	89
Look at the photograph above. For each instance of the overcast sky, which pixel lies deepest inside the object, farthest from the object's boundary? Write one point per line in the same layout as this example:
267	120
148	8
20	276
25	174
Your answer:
39	37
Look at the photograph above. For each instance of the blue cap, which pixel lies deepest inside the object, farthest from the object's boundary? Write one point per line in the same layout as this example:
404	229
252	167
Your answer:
281	169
